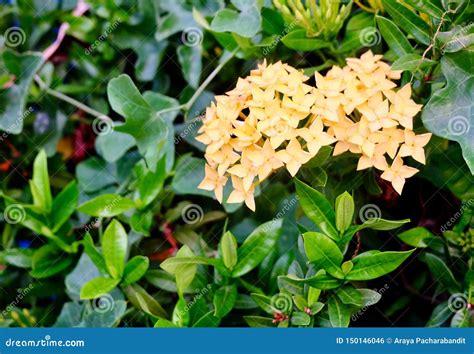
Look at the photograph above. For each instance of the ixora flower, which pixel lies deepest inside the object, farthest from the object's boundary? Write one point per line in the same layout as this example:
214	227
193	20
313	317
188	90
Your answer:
273	119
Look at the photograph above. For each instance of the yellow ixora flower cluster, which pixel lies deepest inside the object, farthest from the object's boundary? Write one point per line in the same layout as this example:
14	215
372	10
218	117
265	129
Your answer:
273	119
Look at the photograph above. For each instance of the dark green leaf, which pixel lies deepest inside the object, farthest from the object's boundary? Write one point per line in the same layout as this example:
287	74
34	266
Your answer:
323	253
224	300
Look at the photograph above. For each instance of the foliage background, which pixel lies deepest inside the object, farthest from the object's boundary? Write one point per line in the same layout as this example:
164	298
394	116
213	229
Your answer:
129	139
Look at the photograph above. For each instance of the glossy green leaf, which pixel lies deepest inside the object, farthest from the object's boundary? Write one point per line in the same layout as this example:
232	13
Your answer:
39	184
64	205
344	211
374	264
323	253
298	40
142	300
408	21
442	273
135	269
412	62
395	38
106	205
228	247
256	247
317	208
224	300
339	314
416	237
114	248
98	287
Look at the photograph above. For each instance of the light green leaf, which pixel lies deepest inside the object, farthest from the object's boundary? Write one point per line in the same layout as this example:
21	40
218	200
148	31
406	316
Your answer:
416	237
412	62
374	264
140	298
98	287
228	246
246	22
106	205
114	248
323	253
135	269
185	272
64	205
39	184
344	211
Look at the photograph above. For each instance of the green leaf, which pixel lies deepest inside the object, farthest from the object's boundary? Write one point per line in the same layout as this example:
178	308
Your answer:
382	224
98	287
416	237
412	62
440	315
135	269
246	22
39	184
298	40
151	183
224	300
442	273
13	99
256	247
374	264
49	260
317	208
264	302
180	315
300	319
171	264
323	253
458	38
185	272
339	314
344	211
349	295
94	254
113	145
147	127
409	21
228	246
369	297
114	248
189	57
140	298
259	322
64	205
395	38
429	7
320	281
106	205
449	113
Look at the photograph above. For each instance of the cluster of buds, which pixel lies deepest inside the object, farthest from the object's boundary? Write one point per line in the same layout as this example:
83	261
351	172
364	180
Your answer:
323	18
273	119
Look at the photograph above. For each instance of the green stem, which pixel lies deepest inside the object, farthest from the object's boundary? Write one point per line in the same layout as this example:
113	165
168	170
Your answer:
69	100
